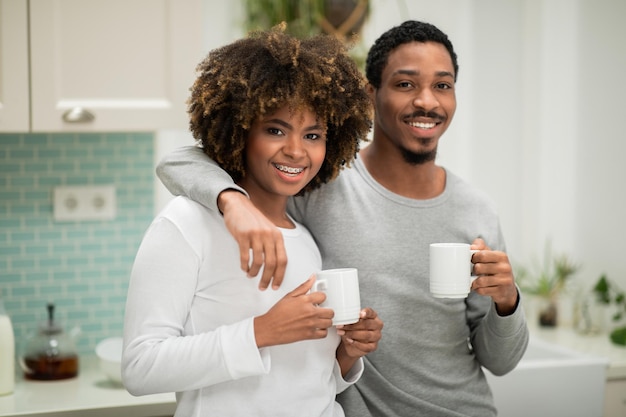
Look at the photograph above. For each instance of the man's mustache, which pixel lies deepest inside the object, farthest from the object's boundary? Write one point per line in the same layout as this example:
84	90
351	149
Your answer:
429	114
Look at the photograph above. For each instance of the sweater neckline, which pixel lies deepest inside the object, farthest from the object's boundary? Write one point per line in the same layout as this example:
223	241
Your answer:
399	199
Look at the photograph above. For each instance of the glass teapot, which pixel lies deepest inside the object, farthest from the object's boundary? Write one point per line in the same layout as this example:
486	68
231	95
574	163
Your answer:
50	354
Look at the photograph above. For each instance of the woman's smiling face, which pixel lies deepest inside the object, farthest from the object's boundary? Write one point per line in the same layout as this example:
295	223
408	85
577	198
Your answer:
284	152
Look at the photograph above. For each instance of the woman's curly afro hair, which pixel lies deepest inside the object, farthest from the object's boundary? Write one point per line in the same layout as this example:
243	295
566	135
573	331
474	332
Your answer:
257	75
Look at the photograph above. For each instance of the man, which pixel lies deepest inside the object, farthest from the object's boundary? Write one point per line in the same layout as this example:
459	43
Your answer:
380	216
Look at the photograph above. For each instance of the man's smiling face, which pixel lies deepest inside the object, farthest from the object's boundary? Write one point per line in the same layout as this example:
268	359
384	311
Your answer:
416	100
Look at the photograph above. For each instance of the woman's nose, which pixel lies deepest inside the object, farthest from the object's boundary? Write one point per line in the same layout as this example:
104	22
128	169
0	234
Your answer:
293	147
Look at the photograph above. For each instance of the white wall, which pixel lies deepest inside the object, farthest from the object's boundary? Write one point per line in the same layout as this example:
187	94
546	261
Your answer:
600	194
221	26
538	124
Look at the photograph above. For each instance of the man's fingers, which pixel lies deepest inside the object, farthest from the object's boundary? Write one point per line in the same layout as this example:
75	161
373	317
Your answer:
255	260
479	244
273	252
281	264
268	267
368	313
272	245
244	256
267	253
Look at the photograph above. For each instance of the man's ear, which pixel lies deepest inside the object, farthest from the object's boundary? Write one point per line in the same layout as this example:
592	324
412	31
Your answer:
370	90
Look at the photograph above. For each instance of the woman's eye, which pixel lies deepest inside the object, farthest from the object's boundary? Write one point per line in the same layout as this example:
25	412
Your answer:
313	136
274	131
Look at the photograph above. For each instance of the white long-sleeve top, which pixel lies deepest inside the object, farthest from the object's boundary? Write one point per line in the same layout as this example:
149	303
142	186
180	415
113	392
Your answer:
189	325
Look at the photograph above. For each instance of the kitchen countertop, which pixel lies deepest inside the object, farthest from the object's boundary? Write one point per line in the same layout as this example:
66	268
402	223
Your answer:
90	394
594	344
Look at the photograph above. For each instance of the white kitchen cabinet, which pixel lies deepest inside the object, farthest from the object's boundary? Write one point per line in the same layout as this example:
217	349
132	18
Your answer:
14	98
615	398
97	65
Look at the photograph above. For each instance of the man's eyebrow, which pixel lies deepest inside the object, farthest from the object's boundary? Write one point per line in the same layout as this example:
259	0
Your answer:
417	72
445	74
406	72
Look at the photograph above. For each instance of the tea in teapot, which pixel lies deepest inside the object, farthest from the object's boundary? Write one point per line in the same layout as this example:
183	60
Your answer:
50	354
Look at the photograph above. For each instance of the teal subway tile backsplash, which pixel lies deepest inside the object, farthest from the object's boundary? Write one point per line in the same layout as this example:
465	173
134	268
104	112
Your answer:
82	266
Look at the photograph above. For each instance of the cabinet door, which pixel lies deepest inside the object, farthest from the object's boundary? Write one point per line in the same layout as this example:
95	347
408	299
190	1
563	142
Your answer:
14	97
101	65
615	398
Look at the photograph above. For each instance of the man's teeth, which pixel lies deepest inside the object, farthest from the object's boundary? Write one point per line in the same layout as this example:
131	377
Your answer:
289	170
422	125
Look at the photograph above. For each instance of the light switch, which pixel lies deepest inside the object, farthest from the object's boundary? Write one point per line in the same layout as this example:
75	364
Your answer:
89	202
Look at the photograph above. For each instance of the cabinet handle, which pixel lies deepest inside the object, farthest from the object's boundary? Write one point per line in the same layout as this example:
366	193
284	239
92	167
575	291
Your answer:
78	115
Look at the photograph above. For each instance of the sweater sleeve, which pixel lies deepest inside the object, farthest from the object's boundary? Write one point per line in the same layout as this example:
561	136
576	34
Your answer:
188	171
499	342
159	355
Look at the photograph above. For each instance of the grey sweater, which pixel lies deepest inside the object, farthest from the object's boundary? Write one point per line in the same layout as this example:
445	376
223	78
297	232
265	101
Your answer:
431	357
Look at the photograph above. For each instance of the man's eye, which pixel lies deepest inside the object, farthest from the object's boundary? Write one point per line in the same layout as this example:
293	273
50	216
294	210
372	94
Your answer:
404	84
444	86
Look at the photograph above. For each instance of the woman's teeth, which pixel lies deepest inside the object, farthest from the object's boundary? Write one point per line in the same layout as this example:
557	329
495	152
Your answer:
289	170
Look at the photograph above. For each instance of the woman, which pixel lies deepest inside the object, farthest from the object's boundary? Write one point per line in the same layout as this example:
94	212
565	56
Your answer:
282	116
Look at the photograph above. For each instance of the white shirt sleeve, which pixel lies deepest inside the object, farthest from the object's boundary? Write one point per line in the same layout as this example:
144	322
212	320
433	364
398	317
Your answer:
351	377
158	356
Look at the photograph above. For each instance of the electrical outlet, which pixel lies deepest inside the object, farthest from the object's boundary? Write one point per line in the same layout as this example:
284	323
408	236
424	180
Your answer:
90	202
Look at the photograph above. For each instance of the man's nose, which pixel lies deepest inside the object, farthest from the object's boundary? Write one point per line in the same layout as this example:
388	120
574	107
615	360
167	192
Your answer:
425	99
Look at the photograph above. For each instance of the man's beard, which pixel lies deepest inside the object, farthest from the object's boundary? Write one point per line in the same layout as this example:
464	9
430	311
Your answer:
415	158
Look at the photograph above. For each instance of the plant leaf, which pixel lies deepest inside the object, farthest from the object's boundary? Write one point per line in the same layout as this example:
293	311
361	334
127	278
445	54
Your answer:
601	290
618	336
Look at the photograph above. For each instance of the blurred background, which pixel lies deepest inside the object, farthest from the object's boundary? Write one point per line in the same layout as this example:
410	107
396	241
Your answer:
538	128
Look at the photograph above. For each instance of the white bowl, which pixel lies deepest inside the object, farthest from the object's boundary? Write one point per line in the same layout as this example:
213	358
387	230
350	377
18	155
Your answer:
109	352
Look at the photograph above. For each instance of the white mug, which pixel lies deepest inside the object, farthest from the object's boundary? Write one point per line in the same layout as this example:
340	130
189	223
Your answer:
451	270
341	287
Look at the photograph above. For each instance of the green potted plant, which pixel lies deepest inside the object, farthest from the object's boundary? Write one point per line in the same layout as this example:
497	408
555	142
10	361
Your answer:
301	16
342	18
546	281
607	292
